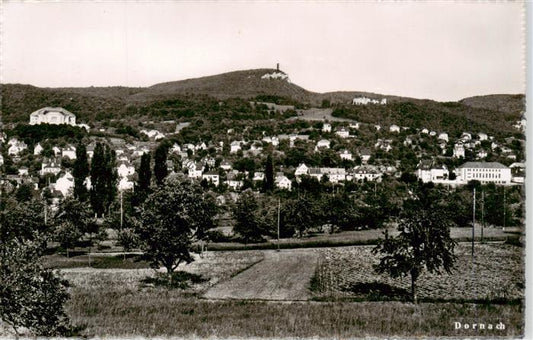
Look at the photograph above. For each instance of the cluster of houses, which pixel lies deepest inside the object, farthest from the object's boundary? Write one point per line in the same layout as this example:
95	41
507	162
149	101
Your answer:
128	155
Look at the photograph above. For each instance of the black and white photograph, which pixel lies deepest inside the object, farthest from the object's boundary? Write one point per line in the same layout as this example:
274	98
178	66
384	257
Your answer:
263	169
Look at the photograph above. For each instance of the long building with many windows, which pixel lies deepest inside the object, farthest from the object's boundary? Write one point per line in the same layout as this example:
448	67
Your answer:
484	172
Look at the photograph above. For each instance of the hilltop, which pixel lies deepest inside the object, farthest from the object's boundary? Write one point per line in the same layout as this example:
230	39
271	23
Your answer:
199	96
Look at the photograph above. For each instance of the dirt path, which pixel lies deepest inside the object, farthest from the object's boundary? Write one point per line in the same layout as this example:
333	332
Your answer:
283	275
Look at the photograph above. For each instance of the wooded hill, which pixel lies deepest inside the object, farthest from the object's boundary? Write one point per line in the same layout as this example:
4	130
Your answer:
493	114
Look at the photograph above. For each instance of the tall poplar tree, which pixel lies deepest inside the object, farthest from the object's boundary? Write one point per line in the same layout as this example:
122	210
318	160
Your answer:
145	174
110	176
269	174
160	166
80	173
98	180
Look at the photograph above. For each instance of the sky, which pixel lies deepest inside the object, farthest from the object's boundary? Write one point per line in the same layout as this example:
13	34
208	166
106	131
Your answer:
434	49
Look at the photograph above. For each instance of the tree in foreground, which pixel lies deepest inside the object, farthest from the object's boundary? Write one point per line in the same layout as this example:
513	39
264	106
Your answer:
31	296
249	223
423	242
171	219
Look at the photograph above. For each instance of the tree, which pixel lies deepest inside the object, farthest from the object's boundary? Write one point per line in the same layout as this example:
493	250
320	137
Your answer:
160	165
98	180
103	179
145	174
80	172
424	242
22	220
299	215
31	296
73	220
171	219
269	174
248	222
24	192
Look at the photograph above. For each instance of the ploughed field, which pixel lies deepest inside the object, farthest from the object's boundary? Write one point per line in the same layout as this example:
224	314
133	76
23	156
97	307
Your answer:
497	274
121	302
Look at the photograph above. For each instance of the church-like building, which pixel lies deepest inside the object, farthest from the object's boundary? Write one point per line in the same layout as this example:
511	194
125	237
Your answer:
52	115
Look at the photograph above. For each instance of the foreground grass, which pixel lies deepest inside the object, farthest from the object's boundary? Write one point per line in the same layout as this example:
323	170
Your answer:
161	312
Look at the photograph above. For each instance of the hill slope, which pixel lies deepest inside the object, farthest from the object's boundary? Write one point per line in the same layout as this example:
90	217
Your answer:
243	84
199	96
508	103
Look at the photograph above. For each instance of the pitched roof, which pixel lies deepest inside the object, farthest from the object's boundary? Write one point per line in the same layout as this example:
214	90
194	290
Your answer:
483	165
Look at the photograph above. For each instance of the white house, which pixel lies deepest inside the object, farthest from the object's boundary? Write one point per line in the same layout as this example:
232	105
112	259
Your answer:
235	146
52	115
16	148
259	176
465	136
125	169
154	134
323	143
282	182
345	154
428	172
211	177
342	132
443	136
65	184
366	101
69	152
484	172
459	150
482	154
326	127
354	126
335	175
1	160
23	171
125	184
50	167
38	149
482	136
367	172
384	144
302	169
196	171
394	128
365	155
226	165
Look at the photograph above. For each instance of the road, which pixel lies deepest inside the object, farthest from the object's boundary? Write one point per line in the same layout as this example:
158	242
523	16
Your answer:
283	275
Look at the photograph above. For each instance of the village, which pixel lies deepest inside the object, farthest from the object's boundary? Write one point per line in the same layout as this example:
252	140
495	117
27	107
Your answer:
214	161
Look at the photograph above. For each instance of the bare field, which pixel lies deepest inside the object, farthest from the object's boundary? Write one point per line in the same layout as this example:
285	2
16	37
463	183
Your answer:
283	275
496	275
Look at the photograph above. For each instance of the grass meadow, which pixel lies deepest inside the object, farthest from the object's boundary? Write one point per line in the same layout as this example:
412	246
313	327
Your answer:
116	302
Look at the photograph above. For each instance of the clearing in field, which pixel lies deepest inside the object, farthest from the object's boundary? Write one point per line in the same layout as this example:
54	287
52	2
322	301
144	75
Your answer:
283	275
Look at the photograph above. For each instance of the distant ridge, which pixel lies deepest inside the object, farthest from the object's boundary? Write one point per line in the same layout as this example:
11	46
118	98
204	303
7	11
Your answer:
186	98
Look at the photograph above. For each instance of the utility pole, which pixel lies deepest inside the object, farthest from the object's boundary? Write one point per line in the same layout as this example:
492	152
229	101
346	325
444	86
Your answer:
504	199
279	208
482	213
473	221
121	211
